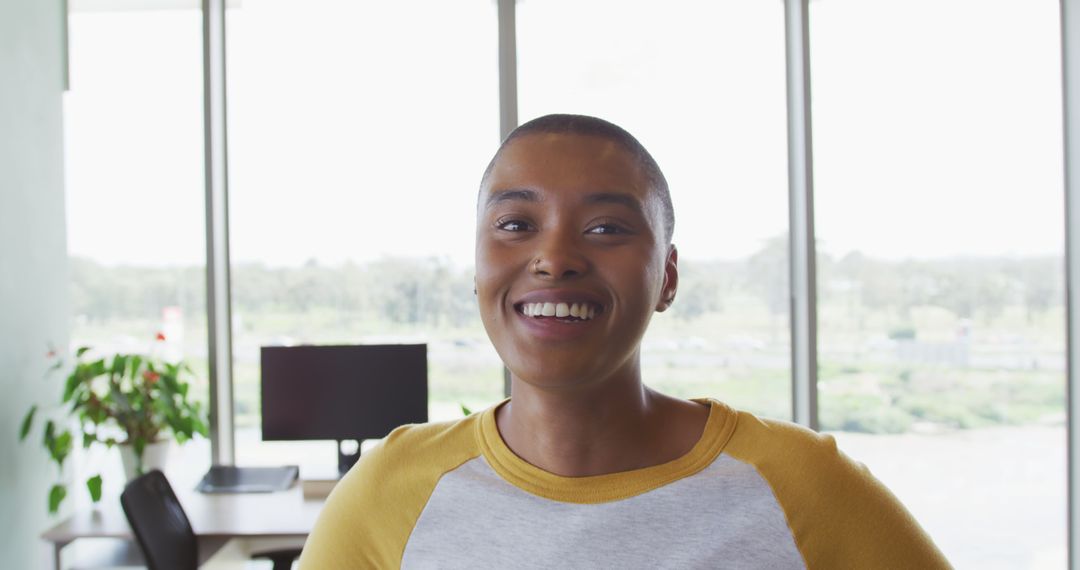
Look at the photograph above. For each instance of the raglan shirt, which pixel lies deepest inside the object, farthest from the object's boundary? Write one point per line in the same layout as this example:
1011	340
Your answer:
751	493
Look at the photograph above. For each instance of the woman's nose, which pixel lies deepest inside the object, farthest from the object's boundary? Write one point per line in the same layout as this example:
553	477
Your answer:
559	257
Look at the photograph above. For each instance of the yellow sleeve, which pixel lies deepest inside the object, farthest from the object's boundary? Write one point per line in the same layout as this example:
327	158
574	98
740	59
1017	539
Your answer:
371	512
840	515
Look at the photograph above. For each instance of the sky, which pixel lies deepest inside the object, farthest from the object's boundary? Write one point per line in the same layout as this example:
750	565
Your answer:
360	130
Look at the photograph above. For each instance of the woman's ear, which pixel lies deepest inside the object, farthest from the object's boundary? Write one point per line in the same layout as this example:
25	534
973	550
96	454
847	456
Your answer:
671	280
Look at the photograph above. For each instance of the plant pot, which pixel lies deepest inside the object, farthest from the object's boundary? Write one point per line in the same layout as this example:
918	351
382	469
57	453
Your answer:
154	456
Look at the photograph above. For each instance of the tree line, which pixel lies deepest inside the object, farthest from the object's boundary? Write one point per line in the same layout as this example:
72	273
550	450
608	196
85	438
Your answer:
433	291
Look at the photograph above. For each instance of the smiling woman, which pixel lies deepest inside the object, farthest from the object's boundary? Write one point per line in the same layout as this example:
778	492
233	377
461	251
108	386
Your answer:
588	231
584	466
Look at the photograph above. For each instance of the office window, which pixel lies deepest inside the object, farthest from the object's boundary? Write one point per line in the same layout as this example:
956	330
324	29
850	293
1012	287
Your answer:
358	132
937	132
701	84
134	168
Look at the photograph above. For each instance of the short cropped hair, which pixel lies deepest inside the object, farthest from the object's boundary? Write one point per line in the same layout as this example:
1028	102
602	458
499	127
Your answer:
595	127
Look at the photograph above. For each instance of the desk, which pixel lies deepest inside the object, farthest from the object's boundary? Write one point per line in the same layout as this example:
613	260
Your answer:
215	518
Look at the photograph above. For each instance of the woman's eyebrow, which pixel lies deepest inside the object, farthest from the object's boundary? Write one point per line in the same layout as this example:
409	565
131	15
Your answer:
512	194
615	198
526	195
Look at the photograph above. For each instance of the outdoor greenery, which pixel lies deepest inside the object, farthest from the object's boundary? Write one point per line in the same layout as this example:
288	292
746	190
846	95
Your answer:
903	345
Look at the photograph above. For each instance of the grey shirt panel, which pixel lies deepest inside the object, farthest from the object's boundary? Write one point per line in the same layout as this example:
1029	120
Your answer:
724	516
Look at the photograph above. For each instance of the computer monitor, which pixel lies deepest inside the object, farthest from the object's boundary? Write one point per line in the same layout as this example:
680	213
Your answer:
353	392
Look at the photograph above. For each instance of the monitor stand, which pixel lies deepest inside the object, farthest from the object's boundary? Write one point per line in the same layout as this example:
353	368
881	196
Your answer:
347	456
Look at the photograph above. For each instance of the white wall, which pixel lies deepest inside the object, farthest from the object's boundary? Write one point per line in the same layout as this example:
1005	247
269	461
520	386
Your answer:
33	260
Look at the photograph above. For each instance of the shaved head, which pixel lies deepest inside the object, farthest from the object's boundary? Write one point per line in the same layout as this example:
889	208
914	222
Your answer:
591	126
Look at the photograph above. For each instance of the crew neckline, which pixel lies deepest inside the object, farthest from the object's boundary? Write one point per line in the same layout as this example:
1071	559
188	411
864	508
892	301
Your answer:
719	428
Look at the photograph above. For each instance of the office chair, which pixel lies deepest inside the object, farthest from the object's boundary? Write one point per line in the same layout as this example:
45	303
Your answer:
163	531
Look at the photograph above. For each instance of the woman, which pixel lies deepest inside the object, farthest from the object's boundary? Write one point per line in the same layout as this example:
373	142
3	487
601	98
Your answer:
584	466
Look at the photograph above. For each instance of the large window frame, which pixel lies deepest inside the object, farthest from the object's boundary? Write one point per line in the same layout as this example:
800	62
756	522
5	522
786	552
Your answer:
802	252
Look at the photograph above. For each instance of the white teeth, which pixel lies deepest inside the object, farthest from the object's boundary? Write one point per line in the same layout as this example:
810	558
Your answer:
583	311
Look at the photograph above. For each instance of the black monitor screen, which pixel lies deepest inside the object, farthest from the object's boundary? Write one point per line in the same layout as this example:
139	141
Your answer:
342	392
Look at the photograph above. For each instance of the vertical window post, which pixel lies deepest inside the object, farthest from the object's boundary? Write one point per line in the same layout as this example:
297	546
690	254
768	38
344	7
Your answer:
508	100
508	108
803	307
218	301
1070	63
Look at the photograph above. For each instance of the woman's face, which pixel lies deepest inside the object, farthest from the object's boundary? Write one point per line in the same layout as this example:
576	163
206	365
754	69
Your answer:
570	259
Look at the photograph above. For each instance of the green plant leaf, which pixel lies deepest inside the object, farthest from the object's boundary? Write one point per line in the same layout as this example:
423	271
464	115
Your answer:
169	381
124	405
56	496
187	425
98	415
167	405
61	447
118	364
27	422
465	410
50	434
200	427
94	485
81	351
88	439
73	382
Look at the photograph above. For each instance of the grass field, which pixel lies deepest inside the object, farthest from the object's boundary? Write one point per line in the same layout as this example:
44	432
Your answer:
954	373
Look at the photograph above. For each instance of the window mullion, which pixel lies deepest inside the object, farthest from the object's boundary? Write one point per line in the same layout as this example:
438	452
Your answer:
218	298
1070	30
803	297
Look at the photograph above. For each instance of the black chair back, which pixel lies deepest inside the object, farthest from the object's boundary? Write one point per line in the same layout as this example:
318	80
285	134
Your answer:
159	523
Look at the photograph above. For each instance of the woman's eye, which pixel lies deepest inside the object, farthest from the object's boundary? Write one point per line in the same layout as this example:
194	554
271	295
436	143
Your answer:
512	225
606	229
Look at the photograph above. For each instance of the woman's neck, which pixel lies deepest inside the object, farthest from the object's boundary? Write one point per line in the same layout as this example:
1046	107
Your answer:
616	425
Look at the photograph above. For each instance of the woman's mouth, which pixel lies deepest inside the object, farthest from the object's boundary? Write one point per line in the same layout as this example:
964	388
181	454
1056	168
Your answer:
560	311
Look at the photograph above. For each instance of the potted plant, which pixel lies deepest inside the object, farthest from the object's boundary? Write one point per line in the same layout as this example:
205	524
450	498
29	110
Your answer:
133	401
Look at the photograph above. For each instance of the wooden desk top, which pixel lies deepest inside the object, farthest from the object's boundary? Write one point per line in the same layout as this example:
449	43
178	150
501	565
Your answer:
282	514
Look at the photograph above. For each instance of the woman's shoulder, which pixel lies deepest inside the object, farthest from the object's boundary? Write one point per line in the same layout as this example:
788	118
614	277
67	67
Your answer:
368	516
422	447
839	513
765	440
